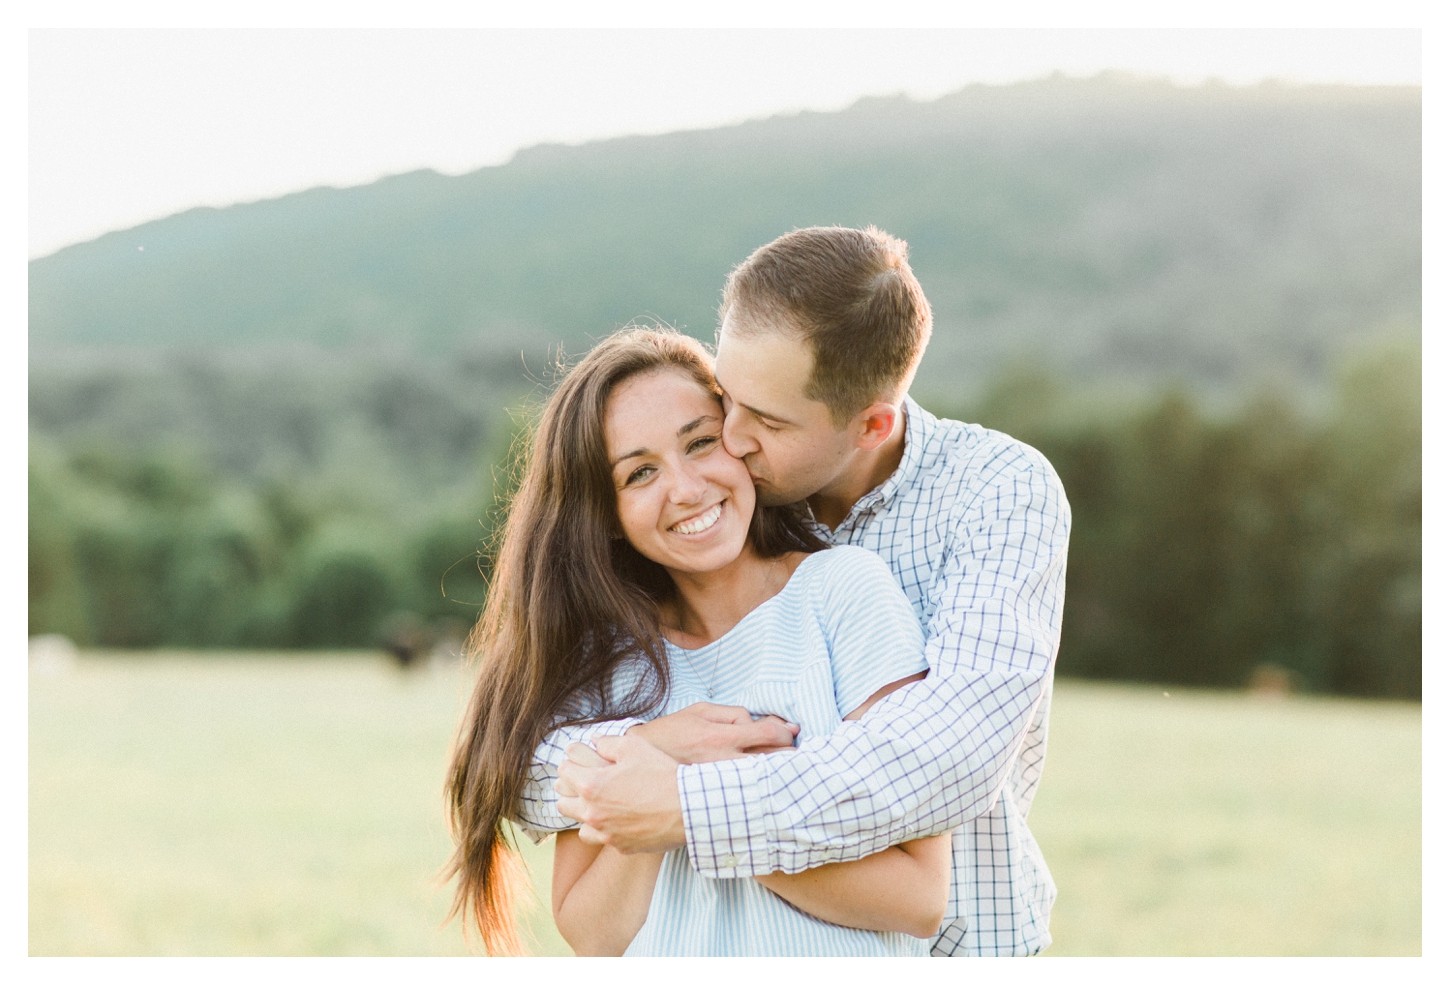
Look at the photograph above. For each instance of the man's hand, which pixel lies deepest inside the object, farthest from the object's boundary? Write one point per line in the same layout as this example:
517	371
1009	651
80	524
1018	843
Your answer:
704	733
623	796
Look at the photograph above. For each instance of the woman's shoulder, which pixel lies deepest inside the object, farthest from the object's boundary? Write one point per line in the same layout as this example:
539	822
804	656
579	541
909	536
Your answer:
843	557
844	563
845	582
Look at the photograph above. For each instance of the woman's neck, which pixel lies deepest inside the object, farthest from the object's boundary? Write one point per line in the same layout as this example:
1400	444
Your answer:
708	604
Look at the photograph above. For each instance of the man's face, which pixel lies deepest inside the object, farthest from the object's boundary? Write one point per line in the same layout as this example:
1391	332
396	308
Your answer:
786	439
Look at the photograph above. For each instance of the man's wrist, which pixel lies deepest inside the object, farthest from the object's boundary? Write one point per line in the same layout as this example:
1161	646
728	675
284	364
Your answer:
679	837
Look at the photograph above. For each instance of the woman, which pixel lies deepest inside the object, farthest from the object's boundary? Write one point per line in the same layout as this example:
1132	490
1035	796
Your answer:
637	576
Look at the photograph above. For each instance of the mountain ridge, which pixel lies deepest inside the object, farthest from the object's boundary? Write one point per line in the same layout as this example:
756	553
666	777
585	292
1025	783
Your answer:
1126	228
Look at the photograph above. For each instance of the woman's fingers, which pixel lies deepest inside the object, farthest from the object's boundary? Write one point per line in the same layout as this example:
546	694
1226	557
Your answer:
790	727
704	733
773	733
732	715
719	714
765	733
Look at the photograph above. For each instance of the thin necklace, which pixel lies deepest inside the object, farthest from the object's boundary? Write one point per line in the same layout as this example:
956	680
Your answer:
710	687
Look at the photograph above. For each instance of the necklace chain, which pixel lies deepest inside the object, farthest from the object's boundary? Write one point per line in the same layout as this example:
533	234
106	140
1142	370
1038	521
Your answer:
710	687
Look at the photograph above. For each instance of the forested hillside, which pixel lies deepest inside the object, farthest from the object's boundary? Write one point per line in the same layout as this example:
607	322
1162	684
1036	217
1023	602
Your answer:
1127	230
285	424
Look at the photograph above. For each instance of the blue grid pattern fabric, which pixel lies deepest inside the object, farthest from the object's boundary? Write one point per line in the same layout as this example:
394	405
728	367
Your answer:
974	526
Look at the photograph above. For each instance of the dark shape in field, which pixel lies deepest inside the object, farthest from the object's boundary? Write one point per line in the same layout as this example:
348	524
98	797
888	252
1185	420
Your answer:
411	641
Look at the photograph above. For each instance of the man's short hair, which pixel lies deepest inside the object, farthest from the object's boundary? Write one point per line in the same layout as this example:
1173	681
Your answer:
853	298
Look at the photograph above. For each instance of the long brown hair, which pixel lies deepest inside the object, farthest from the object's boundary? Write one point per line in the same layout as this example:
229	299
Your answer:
569	602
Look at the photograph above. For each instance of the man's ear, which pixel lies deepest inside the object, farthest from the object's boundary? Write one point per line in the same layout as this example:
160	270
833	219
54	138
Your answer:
875	424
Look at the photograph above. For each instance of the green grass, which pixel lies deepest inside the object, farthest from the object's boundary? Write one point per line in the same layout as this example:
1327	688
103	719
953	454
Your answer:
1220	824
250	805
286	805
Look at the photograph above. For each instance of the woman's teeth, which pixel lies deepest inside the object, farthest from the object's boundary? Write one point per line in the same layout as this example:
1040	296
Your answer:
704	521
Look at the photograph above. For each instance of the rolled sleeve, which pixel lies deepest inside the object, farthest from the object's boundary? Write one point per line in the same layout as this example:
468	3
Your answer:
725	832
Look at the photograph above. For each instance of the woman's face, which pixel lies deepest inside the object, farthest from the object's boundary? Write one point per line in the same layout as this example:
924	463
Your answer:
684	501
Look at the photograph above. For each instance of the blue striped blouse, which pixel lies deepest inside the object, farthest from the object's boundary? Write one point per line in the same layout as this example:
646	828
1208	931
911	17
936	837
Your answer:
839	630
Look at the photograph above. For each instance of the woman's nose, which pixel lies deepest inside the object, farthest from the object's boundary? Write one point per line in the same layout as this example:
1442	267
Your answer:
689	485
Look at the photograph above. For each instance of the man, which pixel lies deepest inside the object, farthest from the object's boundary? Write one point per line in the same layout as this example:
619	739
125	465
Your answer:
821	334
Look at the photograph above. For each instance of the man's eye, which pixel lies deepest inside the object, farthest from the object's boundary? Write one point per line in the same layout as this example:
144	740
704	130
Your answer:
768	426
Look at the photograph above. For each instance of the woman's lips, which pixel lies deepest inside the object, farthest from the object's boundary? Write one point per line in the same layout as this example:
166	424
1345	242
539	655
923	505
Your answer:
700	522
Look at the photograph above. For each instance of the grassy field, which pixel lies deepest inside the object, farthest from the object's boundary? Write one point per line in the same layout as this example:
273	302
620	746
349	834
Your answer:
284	805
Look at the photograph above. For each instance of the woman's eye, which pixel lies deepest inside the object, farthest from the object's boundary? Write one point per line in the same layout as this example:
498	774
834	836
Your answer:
699	444
638	474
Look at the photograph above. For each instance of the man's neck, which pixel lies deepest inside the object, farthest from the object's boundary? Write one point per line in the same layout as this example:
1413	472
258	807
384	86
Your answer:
865	471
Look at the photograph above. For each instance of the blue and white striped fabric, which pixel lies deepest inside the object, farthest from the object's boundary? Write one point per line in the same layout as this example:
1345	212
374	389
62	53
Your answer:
838	631
974	526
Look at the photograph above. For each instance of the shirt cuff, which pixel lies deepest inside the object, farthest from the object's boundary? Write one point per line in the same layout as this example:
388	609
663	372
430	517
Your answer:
616	727
722	805
537	836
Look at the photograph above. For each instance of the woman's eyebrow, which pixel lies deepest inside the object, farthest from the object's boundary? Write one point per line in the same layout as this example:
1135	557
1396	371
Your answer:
629	454
695	423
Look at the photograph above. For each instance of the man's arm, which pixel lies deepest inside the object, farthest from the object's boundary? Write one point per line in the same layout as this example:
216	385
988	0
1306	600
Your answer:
931	756
928	758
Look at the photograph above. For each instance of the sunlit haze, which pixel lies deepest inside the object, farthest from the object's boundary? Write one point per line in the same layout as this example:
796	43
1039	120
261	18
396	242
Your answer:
128	126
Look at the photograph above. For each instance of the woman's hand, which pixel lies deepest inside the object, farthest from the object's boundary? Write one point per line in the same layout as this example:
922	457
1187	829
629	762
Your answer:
704	733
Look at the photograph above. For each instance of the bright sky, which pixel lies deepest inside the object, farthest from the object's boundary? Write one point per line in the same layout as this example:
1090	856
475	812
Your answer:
127	126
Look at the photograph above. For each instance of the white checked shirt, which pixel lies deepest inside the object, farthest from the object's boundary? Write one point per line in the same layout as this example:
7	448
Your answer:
974	525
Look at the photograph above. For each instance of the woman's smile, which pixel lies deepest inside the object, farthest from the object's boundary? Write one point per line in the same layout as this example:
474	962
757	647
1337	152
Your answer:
700	522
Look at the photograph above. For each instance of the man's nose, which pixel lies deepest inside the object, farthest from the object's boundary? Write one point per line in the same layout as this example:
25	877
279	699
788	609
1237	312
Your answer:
736	434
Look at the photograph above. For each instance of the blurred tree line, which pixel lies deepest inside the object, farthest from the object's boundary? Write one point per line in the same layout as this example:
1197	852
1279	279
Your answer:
284	499
1206	542
154	551
1208	545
